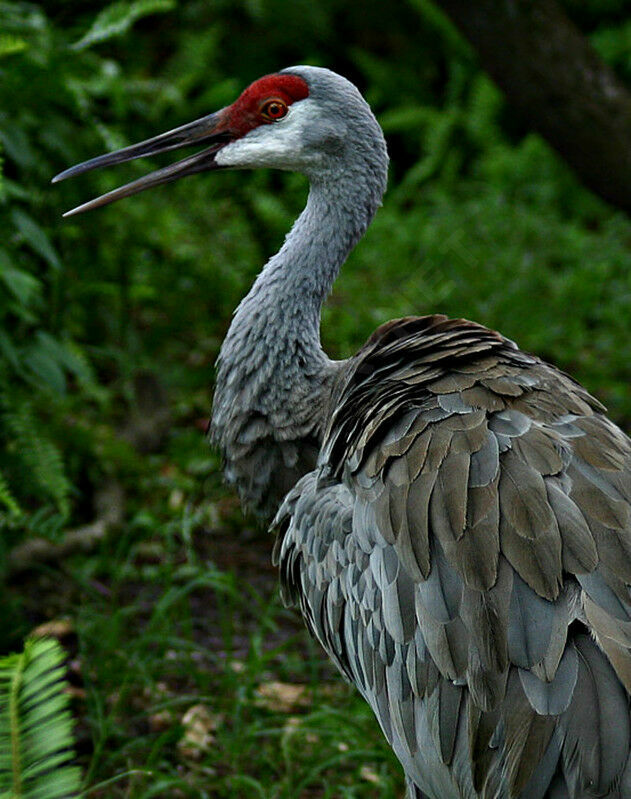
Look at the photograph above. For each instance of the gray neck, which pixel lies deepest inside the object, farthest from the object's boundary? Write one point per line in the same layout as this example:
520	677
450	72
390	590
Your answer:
289	292
274	379
272	357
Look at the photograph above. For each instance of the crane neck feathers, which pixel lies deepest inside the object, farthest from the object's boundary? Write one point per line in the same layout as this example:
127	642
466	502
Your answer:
272	367
280	316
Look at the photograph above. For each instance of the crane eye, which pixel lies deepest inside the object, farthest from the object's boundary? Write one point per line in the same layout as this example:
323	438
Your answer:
273	110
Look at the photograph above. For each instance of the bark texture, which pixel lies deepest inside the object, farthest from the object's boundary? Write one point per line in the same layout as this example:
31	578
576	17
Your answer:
558	85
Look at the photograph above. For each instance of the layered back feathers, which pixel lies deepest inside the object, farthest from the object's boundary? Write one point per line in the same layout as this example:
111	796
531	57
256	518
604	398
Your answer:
463	552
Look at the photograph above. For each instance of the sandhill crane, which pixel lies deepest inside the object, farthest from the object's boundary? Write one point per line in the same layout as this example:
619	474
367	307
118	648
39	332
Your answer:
455	514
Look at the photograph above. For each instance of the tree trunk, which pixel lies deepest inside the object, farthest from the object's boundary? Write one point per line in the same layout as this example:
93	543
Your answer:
557	84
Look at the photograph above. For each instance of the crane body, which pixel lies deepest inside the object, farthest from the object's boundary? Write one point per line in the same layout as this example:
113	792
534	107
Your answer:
455	514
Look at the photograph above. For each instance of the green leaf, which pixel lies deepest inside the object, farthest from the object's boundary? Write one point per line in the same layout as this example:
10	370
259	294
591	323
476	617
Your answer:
118	18
41	458
45	367
65	355
36	737
35	237
9	45
7	498
16	144
21	284
9	351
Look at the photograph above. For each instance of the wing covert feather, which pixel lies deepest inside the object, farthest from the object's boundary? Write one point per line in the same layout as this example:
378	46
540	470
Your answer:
473	508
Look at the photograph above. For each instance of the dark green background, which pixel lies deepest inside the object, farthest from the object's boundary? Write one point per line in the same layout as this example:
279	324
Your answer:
481	220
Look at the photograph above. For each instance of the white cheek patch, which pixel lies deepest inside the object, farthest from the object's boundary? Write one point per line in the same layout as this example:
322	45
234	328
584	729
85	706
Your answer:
277	145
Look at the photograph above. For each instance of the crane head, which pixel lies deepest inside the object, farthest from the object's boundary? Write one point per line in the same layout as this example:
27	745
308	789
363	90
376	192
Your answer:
297	120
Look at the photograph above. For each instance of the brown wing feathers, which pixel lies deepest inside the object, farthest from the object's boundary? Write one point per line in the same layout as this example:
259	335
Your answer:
488	501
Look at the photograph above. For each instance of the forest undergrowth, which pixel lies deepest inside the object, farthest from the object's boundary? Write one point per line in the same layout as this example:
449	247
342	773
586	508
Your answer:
187	677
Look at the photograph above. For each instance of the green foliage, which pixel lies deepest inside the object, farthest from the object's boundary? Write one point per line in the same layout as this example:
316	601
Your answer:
117	19
7	499
33	453
481	220
174	635
36	737
44	371
90	301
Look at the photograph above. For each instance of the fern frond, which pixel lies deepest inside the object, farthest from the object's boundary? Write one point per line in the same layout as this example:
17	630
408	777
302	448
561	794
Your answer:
39	454
36	736
7	499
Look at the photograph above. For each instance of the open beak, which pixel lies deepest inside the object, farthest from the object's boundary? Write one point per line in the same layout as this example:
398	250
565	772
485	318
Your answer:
210	130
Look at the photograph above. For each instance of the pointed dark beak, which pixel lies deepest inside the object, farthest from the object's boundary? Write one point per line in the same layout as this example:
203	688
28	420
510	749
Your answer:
211	130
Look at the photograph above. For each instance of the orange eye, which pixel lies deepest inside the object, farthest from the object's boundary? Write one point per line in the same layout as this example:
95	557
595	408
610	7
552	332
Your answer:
273	110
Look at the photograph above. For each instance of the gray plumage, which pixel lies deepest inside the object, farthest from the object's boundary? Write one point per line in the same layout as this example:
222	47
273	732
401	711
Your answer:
274	378
455	514
459	538
504	693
